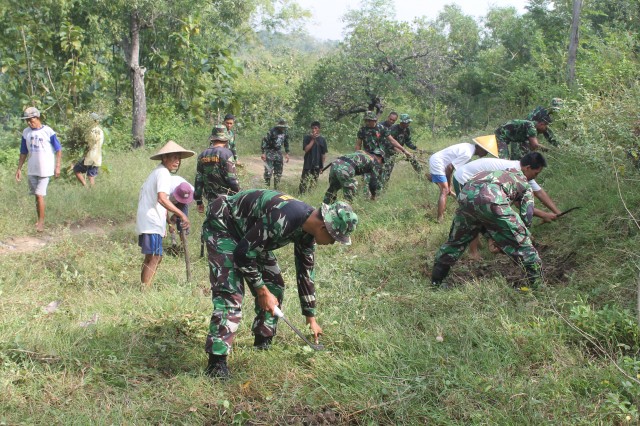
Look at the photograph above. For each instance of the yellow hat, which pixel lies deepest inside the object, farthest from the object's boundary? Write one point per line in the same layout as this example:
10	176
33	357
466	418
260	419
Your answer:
488	143
171	148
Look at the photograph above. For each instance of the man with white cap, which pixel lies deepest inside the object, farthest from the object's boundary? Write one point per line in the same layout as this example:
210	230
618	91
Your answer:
444	162
41	147
153	204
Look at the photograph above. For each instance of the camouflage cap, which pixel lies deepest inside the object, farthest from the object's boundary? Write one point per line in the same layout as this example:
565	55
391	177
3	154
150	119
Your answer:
340	221
282	123
404	118
370	115
543	116
219	133
556	104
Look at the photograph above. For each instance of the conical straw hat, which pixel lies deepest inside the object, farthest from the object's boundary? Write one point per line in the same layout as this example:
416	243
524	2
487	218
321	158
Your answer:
488	143
170	148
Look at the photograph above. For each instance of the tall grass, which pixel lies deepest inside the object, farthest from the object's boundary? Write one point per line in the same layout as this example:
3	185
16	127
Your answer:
504	358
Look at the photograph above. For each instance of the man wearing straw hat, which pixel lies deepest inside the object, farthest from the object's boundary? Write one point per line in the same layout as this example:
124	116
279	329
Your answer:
41	148
153	204
442	164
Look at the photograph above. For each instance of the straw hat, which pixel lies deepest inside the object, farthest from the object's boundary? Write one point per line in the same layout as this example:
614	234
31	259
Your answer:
170	148
488	143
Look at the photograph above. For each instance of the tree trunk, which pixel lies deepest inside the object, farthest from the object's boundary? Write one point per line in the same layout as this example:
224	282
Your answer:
139	118
573	43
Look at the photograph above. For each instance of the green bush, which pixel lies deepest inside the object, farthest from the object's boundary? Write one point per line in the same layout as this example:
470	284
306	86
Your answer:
612	325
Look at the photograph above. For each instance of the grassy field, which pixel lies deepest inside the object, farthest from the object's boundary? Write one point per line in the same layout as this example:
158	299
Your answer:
111	353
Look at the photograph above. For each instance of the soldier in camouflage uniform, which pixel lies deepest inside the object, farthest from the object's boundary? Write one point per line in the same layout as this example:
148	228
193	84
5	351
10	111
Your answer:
229	121
344	170
374	136
391	120
556	104
400	133
521	136
272	145
241	232
485	205
215	170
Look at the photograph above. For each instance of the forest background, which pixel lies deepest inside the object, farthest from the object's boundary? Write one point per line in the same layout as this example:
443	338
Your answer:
158	70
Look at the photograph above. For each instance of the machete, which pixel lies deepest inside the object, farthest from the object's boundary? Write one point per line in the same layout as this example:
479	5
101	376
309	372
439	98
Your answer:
568	211
278	313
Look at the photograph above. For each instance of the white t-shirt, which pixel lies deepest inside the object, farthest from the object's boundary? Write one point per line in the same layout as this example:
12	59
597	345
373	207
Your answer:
457	155
42	146
467	171
152	217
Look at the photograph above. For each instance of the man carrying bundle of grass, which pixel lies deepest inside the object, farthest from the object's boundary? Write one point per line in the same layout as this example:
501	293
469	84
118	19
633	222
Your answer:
485	205
241	233
216	170
345	169
444	162
153	204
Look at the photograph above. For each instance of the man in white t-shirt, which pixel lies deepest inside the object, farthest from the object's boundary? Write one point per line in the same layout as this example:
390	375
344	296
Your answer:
467	171
442	164
153	204
41	147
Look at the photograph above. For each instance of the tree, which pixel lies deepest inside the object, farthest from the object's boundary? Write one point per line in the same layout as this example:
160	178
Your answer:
573	43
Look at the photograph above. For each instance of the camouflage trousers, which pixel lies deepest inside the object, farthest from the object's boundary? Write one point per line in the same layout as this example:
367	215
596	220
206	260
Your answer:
341	176
227	293
503	149
273	166
502	224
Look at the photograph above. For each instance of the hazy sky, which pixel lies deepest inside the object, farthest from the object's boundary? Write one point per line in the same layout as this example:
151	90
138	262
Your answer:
327	14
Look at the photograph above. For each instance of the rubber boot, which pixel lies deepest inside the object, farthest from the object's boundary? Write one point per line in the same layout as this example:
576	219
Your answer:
534	277
217	367
438	274
262	343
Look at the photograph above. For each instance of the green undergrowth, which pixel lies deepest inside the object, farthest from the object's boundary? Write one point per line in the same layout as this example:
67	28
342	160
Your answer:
112	353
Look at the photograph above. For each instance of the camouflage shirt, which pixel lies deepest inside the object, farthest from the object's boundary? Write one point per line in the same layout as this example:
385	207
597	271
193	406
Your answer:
402	136
265	220
517	133
374	137
361	163
231	135
500	188
274	141
548	135
215	174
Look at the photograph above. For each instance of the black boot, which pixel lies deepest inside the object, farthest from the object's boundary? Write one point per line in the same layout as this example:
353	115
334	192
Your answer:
217	367
262	343
438	274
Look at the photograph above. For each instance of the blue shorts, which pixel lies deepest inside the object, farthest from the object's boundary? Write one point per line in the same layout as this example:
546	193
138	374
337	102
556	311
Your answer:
150	244
438	178
91	171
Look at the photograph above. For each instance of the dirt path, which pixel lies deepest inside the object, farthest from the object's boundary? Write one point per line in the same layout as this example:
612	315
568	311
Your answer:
26	244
